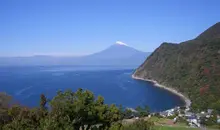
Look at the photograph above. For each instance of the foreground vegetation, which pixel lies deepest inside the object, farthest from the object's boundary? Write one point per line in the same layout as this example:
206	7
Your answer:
79	110
68	111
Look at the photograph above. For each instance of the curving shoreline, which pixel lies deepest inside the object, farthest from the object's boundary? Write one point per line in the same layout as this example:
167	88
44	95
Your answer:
186	100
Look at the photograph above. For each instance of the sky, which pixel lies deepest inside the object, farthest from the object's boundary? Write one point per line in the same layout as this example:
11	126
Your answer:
81	27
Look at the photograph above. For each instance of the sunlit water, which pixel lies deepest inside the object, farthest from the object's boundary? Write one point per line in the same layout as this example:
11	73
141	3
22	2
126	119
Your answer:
26	84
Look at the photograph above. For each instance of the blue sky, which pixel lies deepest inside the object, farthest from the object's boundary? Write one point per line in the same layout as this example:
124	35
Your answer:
78	27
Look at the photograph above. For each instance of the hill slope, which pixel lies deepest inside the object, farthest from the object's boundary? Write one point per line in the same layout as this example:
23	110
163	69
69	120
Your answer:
191	67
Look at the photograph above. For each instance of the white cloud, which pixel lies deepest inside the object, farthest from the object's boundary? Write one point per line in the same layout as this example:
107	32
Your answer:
121	43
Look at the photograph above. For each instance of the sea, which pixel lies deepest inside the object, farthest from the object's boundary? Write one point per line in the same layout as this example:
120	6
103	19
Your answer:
25	84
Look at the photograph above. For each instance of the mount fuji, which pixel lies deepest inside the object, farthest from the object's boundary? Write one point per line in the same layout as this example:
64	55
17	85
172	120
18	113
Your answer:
119	54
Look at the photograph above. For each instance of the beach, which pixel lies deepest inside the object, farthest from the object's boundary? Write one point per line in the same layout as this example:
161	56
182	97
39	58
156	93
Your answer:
186	100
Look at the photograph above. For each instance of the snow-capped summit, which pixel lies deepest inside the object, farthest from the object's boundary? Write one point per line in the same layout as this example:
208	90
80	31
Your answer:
121	43
117	54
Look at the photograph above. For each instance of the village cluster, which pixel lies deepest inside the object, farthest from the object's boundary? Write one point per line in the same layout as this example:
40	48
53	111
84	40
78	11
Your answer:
193	119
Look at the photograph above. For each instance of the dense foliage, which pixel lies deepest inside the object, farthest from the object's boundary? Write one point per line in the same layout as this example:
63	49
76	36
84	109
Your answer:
191	67
66	111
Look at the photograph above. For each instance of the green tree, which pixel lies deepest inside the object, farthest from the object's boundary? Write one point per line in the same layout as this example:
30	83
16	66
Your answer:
43	101
80	109
5	101
143	111
68	111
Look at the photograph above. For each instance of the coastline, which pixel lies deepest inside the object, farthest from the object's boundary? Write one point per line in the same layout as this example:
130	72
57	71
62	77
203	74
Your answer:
186	100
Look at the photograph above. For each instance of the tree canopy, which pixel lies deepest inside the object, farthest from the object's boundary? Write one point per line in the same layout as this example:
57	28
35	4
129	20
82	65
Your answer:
66	111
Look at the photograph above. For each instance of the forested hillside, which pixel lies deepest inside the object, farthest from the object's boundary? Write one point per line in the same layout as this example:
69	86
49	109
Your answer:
191	67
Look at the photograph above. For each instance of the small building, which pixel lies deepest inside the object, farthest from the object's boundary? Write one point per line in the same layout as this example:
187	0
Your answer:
218	119
180	115
167	113
175	120
207	116
187	109
189	114
170	112
209	111
200	116
136	118
193	121
163	114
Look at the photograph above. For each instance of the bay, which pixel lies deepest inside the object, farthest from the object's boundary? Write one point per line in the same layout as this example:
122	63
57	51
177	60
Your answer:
25	84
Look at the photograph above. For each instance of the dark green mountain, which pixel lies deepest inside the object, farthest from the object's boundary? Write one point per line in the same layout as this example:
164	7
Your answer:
191	67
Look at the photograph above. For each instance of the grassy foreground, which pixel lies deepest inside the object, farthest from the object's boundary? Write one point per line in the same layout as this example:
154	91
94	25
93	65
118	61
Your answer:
173	128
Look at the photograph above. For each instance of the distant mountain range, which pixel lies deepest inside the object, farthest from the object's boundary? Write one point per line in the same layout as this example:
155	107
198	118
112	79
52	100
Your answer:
191	67
118	54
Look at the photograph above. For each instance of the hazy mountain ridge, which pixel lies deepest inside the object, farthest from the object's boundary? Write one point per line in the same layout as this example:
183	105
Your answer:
192	67
115	55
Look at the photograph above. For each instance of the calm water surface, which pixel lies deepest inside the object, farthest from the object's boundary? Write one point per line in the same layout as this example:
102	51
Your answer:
26	84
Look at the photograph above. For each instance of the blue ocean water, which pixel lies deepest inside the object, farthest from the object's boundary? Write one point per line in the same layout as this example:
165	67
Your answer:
115	84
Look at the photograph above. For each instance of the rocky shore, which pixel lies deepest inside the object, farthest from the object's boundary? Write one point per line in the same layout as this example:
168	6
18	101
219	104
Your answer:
187	100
